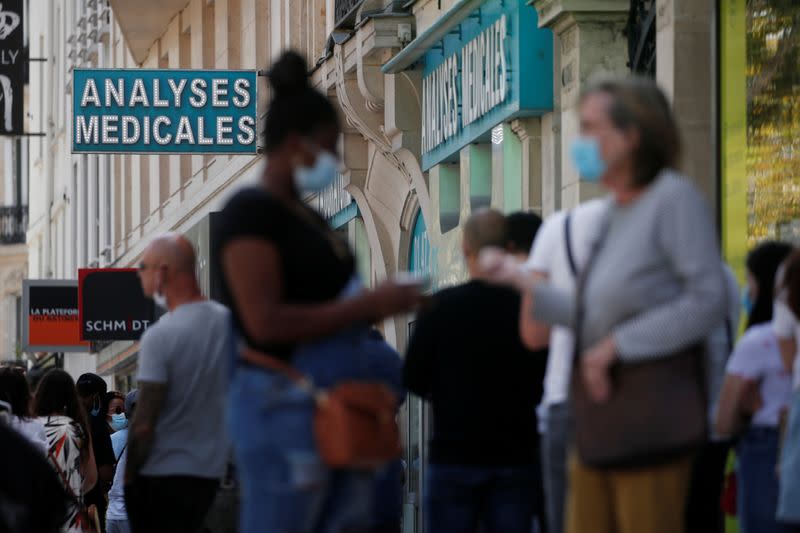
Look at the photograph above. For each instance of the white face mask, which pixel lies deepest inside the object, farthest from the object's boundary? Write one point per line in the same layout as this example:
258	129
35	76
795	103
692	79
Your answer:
318	176
160	300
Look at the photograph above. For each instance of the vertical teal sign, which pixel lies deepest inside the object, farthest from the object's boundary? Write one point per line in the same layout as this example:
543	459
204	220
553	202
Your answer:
164	111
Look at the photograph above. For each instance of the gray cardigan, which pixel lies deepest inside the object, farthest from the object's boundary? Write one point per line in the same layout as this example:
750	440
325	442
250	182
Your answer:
656	284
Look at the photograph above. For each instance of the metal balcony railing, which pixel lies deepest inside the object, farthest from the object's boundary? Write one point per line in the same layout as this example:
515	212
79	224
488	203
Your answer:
13	224
344	12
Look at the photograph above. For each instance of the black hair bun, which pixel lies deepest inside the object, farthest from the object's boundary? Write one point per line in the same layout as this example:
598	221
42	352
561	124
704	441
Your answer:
289	74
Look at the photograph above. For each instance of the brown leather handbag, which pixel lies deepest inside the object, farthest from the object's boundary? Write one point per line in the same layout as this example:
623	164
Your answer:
354	421
657	412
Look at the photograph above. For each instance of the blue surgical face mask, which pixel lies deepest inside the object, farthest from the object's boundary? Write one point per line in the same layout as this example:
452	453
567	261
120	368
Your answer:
320	175
585	153
747	302
119	422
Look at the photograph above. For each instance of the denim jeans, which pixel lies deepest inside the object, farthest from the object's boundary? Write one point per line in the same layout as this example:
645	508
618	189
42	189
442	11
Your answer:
285	486
789	498
757	481
555	441
460	499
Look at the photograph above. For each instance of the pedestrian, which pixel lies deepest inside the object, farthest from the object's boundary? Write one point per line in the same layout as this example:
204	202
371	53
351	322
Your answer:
704	513
291	284
559	253
466	358
177	445
115	411
756	390
69	440
117	514
92	390
522	230
14	390
651	294
786	326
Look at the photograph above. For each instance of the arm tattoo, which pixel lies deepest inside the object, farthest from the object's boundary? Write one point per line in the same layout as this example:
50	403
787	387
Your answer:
141	434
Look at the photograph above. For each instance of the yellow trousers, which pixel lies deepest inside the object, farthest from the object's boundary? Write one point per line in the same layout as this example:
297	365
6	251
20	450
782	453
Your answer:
647	500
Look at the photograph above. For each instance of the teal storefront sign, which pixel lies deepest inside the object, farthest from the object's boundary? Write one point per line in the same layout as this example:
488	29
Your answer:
422	256
483	63
164	111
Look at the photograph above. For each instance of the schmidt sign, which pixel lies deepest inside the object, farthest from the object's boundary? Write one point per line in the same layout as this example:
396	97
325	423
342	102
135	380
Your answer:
164	111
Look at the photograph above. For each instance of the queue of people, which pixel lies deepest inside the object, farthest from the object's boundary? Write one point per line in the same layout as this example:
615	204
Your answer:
584	379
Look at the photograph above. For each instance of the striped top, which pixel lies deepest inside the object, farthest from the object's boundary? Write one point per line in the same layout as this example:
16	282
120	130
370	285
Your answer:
656	283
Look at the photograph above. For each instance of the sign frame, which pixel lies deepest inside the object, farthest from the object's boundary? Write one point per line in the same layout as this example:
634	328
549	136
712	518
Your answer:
13	85
26	345
83	273
256	148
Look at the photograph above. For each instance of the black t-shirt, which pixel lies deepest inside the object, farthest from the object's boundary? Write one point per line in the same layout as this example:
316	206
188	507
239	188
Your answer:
316	263
103	456
466	356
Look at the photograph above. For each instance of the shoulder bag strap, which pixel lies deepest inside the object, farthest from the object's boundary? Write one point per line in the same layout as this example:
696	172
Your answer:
568	245
268	362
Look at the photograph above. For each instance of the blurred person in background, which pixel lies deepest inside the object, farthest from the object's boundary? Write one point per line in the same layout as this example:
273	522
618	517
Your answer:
466	358
291	284
117	515
115	411
177	444
703	510
756	390
92	392
786	326
653	288
522	230
14	390
559	253
69	439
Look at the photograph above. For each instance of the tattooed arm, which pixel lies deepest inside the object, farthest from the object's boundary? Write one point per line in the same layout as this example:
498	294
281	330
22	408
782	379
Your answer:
141	433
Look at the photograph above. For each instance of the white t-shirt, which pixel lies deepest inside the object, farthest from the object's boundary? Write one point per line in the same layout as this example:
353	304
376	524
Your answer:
786	326
757	357
549	256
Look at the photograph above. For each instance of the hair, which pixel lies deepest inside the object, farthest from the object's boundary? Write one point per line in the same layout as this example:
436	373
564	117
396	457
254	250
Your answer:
763	262
296	107
522	228
485	228
639	103
790	285
14	390
90	384
57	395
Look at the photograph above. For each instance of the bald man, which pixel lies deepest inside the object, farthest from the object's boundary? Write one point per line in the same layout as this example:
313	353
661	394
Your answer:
466	357
177	448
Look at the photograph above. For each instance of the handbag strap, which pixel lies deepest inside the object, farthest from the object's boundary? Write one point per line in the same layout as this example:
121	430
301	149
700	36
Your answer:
271	363
568	245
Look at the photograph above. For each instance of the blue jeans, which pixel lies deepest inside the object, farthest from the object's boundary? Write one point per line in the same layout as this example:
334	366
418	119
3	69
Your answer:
285	486
789	500
459	499
757	481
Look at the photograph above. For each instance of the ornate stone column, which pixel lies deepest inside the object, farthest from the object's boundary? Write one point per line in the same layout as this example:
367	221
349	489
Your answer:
591	43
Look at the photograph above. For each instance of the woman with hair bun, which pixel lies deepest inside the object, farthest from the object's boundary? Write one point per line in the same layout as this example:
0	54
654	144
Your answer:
289	281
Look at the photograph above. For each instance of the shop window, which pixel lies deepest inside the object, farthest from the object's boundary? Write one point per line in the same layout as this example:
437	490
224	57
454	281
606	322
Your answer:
641	34
479	161
449	179
507	168
760	124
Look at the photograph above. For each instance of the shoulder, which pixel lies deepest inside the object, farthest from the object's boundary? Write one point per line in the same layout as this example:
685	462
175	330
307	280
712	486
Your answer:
757	339
248	197
546	238
591	209
673	187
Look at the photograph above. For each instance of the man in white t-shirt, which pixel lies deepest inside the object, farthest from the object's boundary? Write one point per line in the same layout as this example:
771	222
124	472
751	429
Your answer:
552	259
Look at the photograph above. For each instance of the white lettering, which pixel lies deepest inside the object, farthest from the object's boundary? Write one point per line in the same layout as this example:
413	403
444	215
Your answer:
90	94
177	90
219	88
184	132
127	136
117	93
146	128
201	97
86	133
503	88
247	127
157	101
222	129
138	94
157	130
109	126
241	88
201	128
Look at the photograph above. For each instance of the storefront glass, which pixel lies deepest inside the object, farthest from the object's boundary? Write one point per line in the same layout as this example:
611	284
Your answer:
760	123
